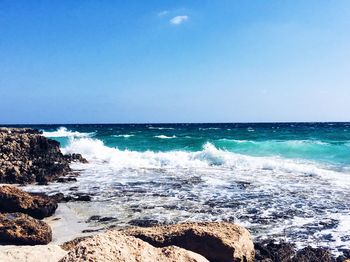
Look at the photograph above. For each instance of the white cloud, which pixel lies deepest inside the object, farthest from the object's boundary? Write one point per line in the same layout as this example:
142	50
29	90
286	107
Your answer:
177	20
163	13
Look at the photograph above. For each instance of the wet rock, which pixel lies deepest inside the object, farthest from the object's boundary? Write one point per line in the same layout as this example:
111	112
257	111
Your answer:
21	229
77	197
116	247
276	252
27	157
75	158
144	222
102	219
309	254
66	179
38	206
216	241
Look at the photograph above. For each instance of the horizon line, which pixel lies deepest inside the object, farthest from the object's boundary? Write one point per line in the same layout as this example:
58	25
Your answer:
173	123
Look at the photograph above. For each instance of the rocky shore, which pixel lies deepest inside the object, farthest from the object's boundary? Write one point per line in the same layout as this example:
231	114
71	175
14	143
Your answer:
28	157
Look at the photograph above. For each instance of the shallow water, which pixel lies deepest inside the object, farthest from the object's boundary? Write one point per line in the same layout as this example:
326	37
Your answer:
288	181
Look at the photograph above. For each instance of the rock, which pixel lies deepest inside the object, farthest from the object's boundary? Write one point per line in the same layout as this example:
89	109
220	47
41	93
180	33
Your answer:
66	179
76	158
102	219
144	222
270	251
21	229
27	157
38	206
115	247
216	241
38	253
70	245
309	254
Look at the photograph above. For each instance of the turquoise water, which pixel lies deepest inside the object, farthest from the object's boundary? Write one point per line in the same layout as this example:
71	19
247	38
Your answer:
280	180
324	142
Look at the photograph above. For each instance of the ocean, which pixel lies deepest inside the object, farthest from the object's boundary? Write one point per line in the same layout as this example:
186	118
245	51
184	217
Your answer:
287	181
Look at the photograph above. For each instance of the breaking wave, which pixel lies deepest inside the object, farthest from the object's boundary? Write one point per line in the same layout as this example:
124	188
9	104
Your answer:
64	132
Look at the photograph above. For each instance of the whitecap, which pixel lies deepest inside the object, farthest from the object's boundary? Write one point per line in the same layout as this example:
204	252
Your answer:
64	132
125	136
165	137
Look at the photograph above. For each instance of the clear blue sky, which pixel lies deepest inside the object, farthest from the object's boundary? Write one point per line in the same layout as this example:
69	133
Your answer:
174	61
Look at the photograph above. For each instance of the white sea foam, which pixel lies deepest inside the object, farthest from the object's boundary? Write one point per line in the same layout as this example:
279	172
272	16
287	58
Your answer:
165	137
94	149
64	132
272	196
125	136
161	128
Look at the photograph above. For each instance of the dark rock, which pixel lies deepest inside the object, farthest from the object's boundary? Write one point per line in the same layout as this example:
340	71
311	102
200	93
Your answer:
38	206
309	254
21	229
144	222
269	251
276	252
27	157
92	230
66	179
76	158
102	219
76	197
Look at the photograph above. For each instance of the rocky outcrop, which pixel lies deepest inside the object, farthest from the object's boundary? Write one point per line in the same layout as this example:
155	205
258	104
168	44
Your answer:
116	247
216	241
26	157
21	229
38	206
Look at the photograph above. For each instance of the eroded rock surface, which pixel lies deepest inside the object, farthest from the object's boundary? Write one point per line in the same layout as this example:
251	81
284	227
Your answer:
21	229
38	206
216	241
26	157
114	246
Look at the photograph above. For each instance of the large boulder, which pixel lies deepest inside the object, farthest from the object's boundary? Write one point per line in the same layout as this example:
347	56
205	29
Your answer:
26	157
21	229
216	241
116	247
38	206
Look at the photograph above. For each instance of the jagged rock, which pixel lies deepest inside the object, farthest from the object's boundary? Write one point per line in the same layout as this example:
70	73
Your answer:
26	157
21	229
216	241
38	206
309	254
116	247
269	251
76	158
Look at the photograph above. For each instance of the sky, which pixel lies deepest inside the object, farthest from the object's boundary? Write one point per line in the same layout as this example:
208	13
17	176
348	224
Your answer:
174	61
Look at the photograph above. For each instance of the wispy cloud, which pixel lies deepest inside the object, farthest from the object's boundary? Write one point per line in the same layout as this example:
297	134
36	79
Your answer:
163	13
177	20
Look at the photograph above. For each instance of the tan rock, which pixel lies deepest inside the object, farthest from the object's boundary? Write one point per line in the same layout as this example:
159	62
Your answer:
21	229
217	241
39	253
114	246
13	199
